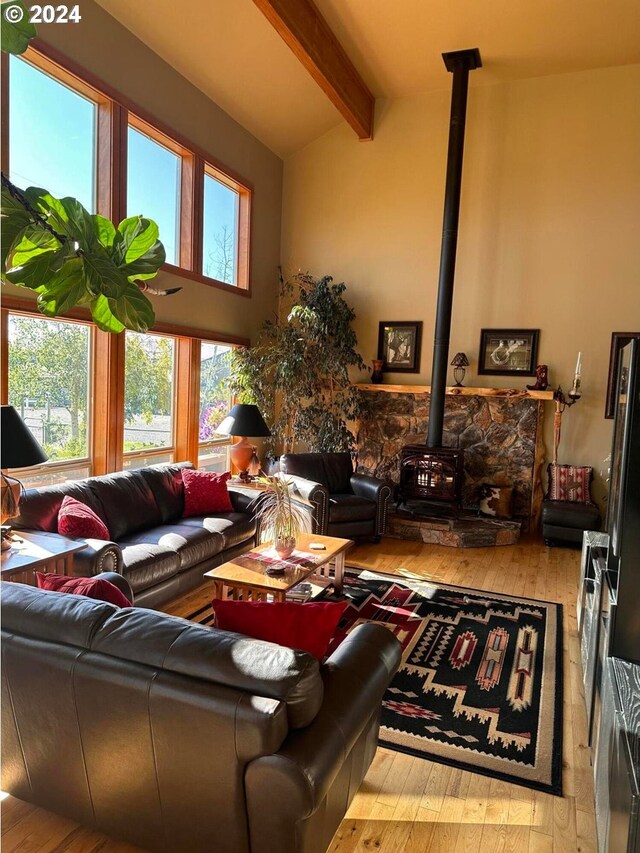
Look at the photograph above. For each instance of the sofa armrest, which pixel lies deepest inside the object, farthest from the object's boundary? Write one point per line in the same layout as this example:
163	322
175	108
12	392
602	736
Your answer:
118	581
243	499
98	555
301	773
376	490
312	497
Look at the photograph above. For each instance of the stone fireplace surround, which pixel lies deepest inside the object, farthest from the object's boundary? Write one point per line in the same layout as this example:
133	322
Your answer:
499	429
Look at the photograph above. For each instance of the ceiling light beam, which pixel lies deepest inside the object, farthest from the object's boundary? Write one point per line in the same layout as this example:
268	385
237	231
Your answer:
308	35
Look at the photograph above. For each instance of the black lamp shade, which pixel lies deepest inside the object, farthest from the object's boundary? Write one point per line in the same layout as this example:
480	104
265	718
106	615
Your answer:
244	419
460	360
19	447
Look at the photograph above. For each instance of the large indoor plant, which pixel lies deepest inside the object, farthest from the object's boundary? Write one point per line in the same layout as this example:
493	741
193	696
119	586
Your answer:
298	371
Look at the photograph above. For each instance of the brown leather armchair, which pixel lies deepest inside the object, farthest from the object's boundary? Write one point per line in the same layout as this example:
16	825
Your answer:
340	502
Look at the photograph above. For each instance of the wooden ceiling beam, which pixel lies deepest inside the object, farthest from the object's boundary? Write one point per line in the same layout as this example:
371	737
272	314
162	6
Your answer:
309	36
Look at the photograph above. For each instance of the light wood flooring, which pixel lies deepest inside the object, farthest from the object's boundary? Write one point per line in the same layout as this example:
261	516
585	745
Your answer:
406	803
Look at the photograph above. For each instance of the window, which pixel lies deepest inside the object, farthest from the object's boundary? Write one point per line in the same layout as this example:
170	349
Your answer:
149	389
49	384
220	231
52	135
215	402
153	186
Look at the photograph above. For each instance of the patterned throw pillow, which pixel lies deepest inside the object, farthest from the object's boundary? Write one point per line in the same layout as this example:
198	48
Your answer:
79	521
205	492
496	501
570	483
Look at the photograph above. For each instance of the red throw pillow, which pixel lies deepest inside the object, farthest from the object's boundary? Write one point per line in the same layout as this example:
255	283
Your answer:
309	627
205	492
79	521
97	588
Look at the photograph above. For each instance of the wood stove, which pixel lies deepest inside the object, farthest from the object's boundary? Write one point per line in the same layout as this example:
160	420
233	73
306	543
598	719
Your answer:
432	476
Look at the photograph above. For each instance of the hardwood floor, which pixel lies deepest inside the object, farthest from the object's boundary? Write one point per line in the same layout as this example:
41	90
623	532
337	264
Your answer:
406	803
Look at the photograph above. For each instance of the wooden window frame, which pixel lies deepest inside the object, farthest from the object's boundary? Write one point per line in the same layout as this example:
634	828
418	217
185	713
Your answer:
115	113
77	461
106	422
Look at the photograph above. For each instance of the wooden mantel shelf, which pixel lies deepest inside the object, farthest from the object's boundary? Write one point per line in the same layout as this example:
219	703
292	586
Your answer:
454	391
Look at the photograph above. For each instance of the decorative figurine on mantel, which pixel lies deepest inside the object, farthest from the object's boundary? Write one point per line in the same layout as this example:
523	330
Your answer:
542	379
377	375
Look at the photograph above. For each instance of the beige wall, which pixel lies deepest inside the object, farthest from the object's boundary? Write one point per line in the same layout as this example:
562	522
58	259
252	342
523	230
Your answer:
549	228
113	54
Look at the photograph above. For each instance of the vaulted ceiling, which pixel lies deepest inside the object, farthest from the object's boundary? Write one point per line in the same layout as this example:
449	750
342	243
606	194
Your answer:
230	51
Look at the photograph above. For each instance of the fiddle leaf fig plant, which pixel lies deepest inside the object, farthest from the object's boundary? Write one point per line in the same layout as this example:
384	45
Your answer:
70	257
16	30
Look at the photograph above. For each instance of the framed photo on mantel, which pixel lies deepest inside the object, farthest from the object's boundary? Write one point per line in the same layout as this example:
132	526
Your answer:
399	346
508	352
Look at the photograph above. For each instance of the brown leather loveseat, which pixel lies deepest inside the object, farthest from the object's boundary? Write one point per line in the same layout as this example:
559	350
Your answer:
182	738
161	554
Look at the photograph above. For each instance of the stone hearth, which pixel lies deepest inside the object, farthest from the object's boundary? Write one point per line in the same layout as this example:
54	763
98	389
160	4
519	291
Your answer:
500	431
466	531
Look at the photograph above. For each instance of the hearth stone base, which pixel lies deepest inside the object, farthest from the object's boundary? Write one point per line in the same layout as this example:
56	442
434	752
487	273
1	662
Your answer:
466	531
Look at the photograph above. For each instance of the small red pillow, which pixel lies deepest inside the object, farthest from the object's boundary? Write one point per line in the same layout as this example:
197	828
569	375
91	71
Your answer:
97	588
205	492
309	627
79	521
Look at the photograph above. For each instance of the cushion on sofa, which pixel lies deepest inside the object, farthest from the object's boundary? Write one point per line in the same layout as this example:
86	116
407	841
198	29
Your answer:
146	562
39	508
165	481
205	492
309	627
191	543
79	521
128	502
98	588
234	527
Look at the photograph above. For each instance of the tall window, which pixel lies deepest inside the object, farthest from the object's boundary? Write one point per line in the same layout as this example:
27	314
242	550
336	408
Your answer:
49	384
52	135
153	187
215	402
149	391
220	231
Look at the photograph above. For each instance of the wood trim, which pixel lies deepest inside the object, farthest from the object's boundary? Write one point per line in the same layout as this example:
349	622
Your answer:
461	391
203	279
187	401
187	212
4	114
197	234
4	356
305	31
107	397
82	315
80	74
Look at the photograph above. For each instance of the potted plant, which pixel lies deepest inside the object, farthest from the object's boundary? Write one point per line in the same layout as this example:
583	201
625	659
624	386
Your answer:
279	519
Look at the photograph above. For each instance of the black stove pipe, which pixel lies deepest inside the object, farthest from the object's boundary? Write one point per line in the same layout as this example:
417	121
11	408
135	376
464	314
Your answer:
459	62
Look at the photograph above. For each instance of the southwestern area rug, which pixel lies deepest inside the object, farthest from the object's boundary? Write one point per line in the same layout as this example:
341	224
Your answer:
480	684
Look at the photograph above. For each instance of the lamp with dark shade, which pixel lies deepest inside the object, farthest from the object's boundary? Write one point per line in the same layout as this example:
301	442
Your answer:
459	363
19	450
244	420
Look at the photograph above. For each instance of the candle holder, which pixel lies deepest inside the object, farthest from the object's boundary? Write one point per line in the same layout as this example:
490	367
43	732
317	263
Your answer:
562	402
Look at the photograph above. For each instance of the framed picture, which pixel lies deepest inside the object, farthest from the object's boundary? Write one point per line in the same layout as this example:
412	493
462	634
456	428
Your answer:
618	340
508	352
399	346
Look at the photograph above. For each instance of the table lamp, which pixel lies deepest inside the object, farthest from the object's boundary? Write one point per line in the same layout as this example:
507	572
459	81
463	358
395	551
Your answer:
19	450
459	363
243	420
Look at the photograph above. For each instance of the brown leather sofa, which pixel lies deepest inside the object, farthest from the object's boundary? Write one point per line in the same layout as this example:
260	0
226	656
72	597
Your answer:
341	503
161	554
182	738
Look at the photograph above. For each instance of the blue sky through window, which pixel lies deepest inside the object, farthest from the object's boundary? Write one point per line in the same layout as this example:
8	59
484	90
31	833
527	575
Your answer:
153	187
52	135
220	250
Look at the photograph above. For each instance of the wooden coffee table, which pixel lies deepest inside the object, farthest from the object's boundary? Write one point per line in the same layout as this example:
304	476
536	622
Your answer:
245	576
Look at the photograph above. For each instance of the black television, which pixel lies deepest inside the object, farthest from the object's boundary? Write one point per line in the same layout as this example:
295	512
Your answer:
623	512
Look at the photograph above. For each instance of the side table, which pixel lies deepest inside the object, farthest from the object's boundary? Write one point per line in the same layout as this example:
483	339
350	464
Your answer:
35	551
